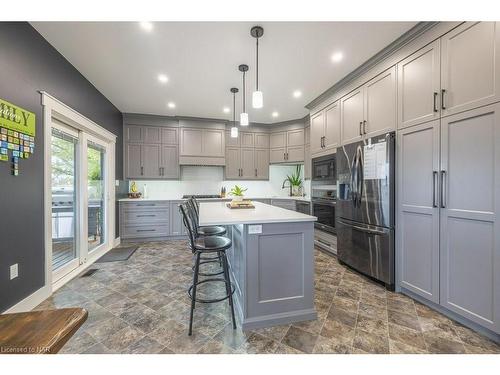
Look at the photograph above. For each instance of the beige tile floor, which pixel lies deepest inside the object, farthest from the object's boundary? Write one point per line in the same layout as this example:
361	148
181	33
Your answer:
141	306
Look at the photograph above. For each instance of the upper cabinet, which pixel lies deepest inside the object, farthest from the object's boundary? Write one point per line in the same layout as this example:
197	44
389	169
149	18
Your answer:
455	73
470	66
202	146
287	146
352	116
151	152
325	130
419	86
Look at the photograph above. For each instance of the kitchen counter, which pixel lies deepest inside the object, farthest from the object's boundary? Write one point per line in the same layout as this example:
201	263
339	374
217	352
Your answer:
271	261
217	213
177	198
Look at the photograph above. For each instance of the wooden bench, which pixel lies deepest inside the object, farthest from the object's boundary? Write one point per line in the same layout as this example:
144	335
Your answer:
39	332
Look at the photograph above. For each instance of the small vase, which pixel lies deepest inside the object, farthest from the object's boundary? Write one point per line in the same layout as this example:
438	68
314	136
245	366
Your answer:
295	191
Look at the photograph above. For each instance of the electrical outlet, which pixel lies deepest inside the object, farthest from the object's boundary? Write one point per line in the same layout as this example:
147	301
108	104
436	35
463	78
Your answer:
254	229
14	271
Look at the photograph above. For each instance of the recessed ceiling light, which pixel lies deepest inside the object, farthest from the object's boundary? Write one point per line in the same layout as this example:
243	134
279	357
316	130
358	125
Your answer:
171	105
297	94
275	114
162	78
146	26
337	56
226	110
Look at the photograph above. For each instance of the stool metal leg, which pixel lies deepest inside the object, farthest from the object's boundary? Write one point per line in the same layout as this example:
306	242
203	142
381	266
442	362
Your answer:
228	286
193	298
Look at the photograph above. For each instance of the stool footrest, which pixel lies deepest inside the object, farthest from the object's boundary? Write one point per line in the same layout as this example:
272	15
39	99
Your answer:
214	279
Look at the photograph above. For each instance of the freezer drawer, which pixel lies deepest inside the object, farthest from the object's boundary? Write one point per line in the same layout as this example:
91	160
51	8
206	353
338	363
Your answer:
368	249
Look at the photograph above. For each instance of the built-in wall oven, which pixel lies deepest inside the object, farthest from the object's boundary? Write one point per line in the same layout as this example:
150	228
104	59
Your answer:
324	192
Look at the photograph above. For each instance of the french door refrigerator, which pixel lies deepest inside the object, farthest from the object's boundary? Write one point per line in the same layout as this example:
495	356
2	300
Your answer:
365	207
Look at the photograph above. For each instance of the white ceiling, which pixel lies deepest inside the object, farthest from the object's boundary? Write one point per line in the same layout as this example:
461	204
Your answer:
201	61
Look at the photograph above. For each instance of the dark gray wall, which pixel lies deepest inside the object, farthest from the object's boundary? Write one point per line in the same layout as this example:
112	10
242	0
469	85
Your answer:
28	63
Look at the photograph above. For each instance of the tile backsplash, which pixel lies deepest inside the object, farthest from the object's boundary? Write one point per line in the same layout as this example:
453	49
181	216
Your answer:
209	180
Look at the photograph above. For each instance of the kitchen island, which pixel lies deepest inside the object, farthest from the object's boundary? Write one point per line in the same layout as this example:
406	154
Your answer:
271	260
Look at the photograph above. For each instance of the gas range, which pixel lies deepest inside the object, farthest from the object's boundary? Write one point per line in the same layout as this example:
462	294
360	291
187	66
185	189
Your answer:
201	196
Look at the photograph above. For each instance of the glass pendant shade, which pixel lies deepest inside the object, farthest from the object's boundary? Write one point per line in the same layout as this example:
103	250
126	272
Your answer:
244	119
257	99
234	132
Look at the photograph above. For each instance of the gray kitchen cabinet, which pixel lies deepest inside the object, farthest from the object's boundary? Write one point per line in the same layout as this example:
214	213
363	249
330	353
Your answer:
470	66
288	204
470	226
352	116
325	130
152	134
151	160
307	162
191	142
247	139
277	155
307	135
133	133
419	86
417	207
144	219
295	154
133	160
213	143
232	142
261	140
248	170
177	227
262	163
380	104
169	167
169	136
295	138
233	163
278	140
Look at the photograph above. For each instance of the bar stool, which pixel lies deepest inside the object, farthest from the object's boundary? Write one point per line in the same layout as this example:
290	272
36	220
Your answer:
202	246
213	230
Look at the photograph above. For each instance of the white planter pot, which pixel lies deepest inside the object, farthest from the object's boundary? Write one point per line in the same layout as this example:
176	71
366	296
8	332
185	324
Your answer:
237	199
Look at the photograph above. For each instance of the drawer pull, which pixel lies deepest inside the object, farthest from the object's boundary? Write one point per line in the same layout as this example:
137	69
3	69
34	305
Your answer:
146	230
146	215
146	205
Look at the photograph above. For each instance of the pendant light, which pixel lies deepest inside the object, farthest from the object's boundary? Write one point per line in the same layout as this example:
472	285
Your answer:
234	129
244	115
257	97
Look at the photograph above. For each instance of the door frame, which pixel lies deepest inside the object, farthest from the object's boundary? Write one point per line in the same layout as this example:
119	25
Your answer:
55	109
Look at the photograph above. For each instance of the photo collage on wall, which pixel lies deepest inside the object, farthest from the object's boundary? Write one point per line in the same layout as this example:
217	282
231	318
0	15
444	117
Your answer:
17	134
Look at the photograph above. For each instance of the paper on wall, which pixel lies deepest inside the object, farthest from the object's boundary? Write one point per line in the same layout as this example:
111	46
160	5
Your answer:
375	161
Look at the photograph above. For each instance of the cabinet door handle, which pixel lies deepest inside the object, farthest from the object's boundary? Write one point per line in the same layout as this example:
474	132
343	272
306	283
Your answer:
255	172
284	156
360	125
443	92
443	187
434	175
159	171
435	102
142	170
364	126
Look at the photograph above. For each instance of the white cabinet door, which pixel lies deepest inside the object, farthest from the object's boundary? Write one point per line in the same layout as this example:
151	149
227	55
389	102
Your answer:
248	169
470	205
278	140
380	104
419	86
262	163
352	116
233	163
317	132
417	209
191	142
213	143
277	155
261	140
470	66
331	138
295	138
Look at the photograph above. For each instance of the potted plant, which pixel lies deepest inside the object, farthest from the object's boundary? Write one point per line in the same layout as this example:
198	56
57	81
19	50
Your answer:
237	193
295	181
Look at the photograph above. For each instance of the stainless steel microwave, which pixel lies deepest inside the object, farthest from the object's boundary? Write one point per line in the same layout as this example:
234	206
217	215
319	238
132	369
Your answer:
323	169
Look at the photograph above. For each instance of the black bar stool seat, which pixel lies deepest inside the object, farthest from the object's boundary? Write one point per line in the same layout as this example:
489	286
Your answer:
215	230
212	244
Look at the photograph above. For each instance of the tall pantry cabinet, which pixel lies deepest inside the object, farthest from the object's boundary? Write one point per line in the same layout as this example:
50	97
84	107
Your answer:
448	235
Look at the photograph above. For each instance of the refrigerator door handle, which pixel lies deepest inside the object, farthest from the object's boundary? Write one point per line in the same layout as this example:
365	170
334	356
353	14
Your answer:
434	178
359	189
364	230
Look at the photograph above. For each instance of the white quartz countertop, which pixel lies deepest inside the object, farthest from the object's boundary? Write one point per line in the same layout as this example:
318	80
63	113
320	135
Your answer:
217	213
304	199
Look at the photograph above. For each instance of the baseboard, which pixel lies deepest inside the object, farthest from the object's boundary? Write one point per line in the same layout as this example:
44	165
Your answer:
30	302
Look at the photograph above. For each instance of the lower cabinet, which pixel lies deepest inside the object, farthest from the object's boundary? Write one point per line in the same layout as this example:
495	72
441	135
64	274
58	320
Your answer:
146	219
288	204
449	200
177	227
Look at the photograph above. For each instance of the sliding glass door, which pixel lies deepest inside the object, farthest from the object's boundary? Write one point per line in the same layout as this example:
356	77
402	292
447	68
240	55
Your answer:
79	198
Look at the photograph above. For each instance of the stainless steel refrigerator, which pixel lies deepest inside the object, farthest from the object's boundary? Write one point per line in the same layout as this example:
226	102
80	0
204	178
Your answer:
365	207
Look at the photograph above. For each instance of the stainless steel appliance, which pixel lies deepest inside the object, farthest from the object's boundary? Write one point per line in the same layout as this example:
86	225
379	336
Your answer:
324	192
303	207
365	207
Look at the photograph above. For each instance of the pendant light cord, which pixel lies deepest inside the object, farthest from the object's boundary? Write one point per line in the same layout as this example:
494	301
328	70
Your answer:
257	64
234	108
244	90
